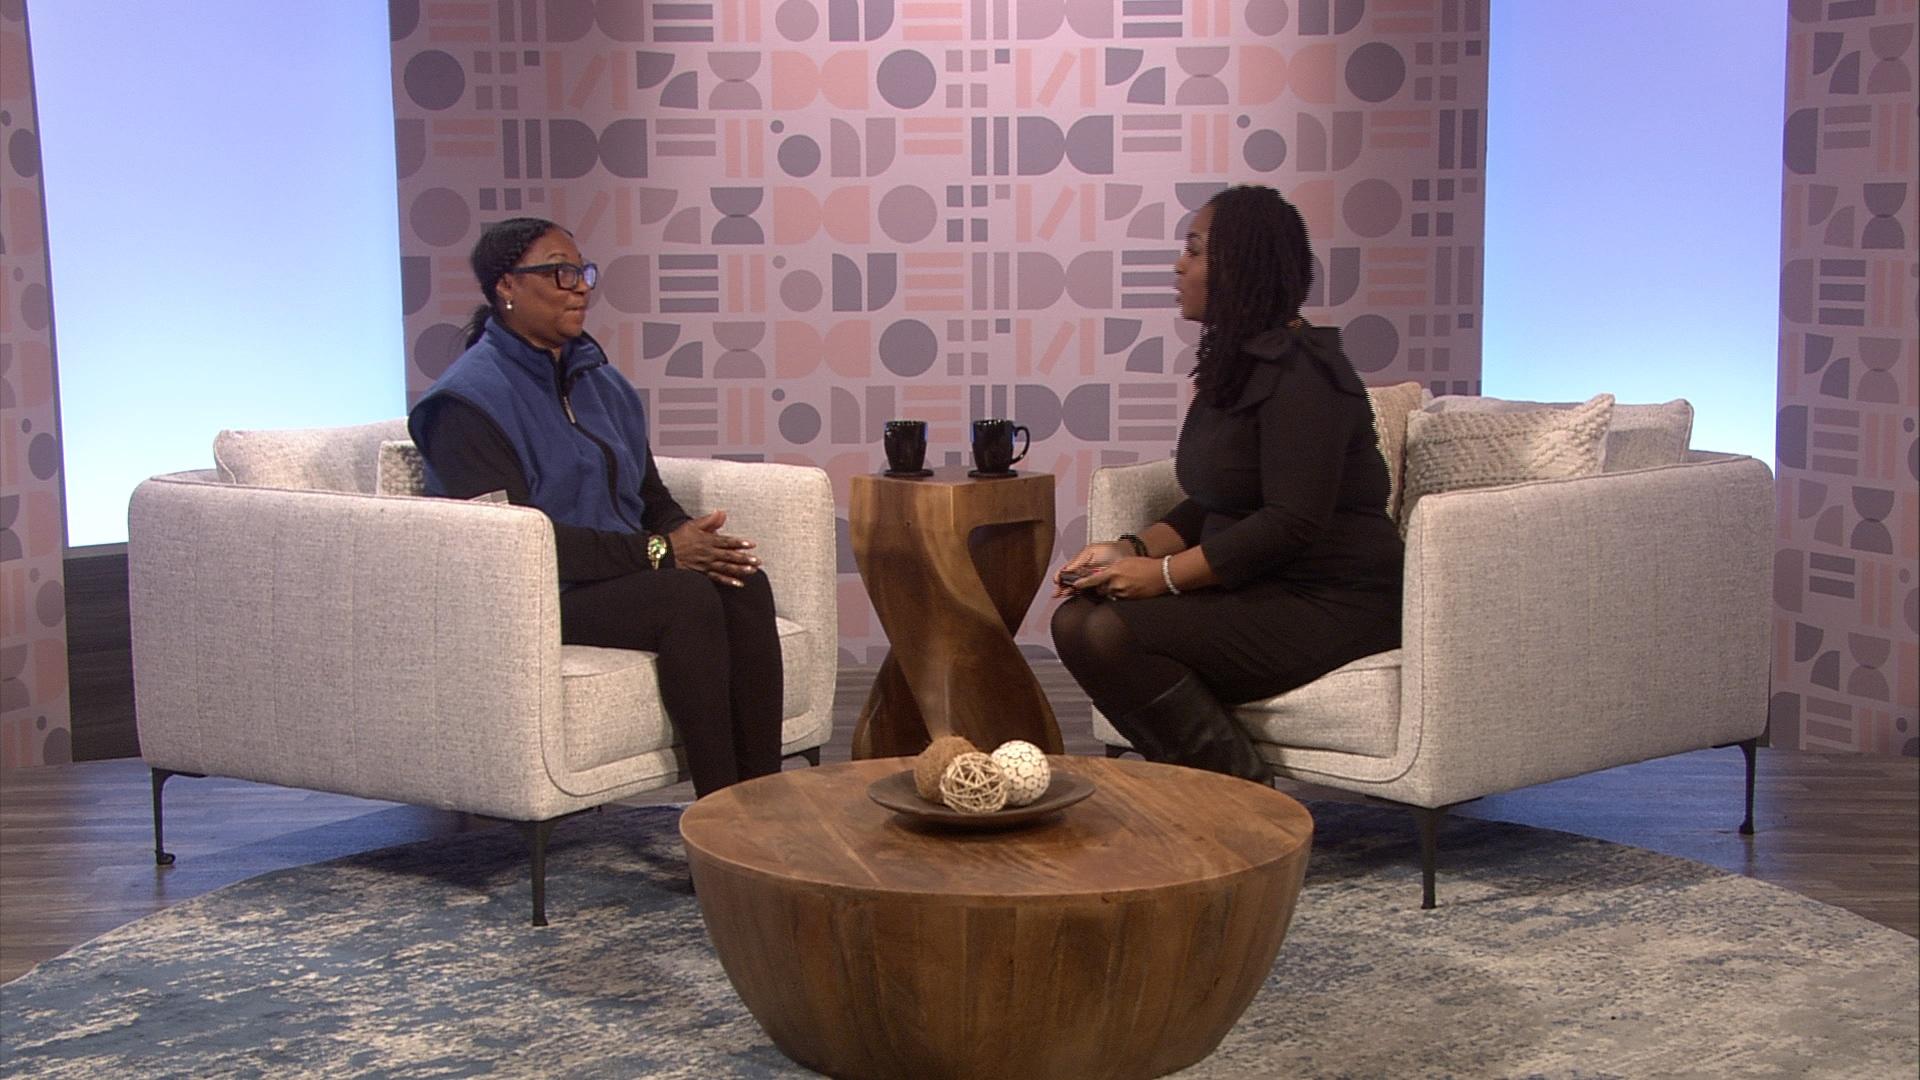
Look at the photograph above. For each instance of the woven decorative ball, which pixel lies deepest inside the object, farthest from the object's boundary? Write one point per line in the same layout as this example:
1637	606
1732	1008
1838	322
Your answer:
931	765
1028	773
973	784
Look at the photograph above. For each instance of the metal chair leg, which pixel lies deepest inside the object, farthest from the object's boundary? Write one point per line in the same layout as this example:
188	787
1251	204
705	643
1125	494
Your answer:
1429	822
537	833
161	856
1749	748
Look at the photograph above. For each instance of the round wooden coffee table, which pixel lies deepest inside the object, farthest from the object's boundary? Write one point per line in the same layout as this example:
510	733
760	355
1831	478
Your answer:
1121	938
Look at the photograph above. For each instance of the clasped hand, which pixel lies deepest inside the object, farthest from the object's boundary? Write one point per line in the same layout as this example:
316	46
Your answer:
1111	570
699	545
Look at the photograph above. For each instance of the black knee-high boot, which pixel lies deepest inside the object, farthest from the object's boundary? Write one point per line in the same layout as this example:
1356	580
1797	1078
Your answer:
1187	725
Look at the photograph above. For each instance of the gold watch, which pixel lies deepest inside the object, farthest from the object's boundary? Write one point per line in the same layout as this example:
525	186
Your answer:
656	549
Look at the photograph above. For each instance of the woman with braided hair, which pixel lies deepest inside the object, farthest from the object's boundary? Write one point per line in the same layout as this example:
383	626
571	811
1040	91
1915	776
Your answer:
1282	563
533	408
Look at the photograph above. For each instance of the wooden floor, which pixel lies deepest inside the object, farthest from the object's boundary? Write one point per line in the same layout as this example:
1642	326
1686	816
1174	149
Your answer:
76	855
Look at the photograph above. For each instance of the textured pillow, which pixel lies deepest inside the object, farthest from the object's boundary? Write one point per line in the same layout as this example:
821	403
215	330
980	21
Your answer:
1449	451
1640	436
402	471
1391	404
325	459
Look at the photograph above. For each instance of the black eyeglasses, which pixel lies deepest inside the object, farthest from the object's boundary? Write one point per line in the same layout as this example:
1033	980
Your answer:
566	276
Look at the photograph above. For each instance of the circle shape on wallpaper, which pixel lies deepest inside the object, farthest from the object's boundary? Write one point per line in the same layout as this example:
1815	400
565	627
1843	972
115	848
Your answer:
434	80
796	20
625	284
437	347
1376	71
23	152
43	456
403	17
440	216
623	148
1371	208
799	423
33	307
1267	17
801	290
1372	342
799	156
908	348
908	214
1266	150
50	603
906	79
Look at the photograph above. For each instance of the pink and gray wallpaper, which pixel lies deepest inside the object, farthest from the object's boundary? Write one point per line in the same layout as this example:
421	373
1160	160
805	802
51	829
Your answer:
34	721
1847	571
815	215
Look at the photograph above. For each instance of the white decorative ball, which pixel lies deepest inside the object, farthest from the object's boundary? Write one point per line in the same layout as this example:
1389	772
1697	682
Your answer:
973	784
1028	773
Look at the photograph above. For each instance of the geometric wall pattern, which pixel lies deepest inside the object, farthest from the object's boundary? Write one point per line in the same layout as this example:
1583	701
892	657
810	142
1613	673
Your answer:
812	216
1847	567
34	722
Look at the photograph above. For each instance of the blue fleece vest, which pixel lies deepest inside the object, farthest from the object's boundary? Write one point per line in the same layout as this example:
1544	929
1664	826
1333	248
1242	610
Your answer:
520	388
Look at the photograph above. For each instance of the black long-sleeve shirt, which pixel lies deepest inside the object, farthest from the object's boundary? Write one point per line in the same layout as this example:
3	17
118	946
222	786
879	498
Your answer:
1288	482
472	457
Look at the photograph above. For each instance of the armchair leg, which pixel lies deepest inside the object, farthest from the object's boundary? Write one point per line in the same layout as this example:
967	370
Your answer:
1748	747
1428	818
161	856
812	756
537	833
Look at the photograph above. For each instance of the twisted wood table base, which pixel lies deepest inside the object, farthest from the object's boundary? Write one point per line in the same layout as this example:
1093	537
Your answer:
952	564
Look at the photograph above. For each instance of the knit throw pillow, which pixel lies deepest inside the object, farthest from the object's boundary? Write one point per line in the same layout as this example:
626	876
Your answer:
1639	436
402	471
1391	406
1451	451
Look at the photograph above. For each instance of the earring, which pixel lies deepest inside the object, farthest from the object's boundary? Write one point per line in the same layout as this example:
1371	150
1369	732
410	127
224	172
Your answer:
509	305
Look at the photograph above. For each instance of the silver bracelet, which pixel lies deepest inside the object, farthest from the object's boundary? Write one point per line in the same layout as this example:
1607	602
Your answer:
1166	574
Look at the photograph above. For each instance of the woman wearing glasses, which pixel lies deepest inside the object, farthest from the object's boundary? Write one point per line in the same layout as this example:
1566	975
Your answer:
533	408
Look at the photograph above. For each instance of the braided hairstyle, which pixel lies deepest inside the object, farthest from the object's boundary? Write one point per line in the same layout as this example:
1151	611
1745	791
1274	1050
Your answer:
499	250
1259	267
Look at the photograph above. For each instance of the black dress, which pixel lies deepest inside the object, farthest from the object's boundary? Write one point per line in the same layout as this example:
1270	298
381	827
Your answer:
1287	497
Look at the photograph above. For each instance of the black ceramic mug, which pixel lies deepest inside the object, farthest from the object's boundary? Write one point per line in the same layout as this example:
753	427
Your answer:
906	445
993	445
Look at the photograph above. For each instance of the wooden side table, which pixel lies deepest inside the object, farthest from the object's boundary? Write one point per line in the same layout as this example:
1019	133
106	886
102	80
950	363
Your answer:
1120	940
952	563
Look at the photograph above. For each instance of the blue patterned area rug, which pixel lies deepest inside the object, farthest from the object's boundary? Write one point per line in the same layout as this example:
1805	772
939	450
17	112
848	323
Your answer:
1550	955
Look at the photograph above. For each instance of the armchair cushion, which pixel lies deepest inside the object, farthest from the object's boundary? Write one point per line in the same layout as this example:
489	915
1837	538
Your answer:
1638	436
310	459
1451	451
600	687
1354	709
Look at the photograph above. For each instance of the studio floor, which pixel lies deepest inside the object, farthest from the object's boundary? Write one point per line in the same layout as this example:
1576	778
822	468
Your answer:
76	854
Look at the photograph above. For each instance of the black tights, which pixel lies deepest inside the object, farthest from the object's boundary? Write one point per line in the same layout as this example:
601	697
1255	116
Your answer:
717	656
1110	666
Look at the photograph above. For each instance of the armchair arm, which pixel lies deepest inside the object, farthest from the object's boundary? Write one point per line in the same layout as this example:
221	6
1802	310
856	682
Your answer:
393	648
787	510
1128	498
1558	627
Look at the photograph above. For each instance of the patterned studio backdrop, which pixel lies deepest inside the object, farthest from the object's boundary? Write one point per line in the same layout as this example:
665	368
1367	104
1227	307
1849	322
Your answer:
1847	573
34	722
816	215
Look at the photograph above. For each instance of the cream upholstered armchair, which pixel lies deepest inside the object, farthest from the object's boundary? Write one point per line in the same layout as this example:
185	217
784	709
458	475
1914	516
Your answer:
1550	628
293	625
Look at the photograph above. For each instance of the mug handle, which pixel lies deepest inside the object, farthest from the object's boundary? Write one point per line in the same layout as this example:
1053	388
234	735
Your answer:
1026	440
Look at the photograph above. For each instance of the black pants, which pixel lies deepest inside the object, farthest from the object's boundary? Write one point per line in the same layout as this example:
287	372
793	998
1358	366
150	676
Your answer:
717	656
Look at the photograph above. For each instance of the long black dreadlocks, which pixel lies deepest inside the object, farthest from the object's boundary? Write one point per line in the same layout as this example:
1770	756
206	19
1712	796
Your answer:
1259	268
